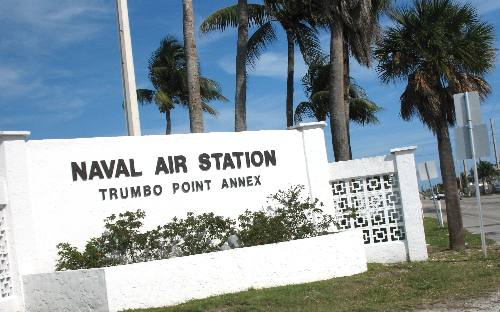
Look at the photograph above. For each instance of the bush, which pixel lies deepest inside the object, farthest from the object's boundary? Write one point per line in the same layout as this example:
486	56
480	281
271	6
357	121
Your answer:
289	217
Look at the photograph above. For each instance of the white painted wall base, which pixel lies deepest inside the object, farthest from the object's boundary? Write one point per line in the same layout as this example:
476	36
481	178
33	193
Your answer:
173	281
390	252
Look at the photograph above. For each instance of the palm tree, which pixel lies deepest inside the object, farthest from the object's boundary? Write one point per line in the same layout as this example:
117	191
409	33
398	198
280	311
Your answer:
240	111
348	23
358	43
362	110
440	48
193	78
168	75
486	172
291	15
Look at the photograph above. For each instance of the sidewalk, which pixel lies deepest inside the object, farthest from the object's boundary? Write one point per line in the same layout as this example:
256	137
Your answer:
487	304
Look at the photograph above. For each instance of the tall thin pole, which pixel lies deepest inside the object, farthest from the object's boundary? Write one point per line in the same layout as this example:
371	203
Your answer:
476	177
466	176
439	214
493	135
128	75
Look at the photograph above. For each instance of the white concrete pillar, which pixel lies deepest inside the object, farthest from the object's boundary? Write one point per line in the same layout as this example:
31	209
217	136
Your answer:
16	211
313	140
416	248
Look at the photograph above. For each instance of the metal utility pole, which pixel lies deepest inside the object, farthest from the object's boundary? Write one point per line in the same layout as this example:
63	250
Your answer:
465	175
435	200
127	66
476	178
493	135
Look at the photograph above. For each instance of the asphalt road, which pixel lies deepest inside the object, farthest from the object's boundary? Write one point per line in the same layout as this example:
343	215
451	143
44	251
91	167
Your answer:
470	214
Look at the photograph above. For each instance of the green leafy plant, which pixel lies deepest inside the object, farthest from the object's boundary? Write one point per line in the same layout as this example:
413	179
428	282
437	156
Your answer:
289	217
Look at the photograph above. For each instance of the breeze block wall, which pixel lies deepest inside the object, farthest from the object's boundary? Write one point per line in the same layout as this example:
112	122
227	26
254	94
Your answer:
379	195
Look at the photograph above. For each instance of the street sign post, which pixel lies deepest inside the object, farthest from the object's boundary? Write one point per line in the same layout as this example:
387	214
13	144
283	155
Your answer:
427	171
468	115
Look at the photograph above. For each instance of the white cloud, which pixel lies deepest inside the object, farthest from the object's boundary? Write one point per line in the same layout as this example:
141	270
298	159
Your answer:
363	73
12	82
38	96
486	6
205	40
48	24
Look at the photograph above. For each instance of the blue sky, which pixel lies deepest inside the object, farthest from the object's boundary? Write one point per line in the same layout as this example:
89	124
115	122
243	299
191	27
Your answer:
60	75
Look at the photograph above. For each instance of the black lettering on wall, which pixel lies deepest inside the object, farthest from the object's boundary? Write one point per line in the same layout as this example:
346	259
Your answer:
180	162
157	190
79	171
133	172
124	192
238	159
257	158
175	187
233	182
95	171
270	158
228	162
146	190
113	193
204	160
161	166
247	159
217	157
121	169
108	170
103	193
135	192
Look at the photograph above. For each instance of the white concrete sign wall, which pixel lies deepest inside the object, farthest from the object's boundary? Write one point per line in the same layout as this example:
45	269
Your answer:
61	190
173	281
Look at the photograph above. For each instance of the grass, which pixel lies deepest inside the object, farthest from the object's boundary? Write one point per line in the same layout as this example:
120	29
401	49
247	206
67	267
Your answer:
448	275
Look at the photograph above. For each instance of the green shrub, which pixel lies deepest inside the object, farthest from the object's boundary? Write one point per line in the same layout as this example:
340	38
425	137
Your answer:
289	217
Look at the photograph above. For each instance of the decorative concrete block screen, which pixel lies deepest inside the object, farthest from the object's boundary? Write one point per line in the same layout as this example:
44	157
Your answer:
176	280
379	195
5	284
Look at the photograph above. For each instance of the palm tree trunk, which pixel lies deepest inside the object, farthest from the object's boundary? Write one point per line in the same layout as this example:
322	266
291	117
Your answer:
168	122
453	213
346	93
338	124
240	118
193	74
289	80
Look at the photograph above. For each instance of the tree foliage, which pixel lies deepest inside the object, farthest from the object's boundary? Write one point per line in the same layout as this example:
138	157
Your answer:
168	74
362	110
289	216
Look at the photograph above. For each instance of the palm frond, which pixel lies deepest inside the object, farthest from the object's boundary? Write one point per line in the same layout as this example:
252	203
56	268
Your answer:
303	110
363	111
208	109
228	17
211	90
258	42
306	37
145	96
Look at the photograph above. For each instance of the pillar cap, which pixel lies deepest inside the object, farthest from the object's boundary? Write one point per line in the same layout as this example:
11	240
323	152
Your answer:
400	150
308	126
14	135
